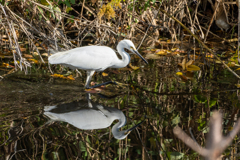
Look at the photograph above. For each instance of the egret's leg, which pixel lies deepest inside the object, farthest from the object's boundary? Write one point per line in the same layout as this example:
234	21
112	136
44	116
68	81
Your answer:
79	72
89	100
105	83
89	77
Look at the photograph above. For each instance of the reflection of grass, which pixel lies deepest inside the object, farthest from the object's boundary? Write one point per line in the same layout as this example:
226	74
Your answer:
156	92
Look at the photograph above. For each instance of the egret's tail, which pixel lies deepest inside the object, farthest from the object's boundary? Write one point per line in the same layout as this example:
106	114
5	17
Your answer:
48	108
57	57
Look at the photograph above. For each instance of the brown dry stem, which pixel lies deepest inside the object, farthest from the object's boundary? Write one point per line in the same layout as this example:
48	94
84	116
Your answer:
208	49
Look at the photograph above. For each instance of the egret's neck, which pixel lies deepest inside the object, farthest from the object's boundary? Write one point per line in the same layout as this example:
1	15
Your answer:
116	128
125	56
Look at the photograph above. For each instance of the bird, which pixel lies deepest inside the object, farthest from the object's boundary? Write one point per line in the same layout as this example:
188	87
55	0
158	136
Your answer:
95	58
88	116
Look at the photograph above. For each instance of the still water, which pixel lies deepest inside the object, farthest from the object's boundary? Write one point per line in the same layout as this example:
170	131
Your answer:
43	117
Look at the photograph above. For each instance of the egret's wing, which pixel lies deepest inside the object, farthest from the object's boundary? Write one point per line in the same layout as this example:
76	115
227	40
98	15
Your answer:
83	119
88	58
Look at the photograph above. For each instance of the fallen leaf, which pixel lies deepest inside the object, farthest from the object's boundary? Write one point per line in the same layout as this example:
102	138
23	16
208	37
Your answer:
34	61
35	53
193	68
162	52
133	67
184	78
70	78
104	74
45	54
179	73
189	74
153	56
231	64
40	48
208	55
189	63
27	56
184	63
193	56
238	85
6	65
174	49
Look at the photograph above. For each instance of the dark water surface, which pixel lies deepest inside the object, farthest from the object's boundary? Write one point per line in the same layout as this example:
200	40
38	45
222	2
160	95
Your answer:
155	90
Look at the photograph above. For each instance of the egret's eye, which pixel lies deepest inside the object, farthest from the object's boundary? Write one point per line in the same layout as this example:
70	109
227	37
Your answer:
131	47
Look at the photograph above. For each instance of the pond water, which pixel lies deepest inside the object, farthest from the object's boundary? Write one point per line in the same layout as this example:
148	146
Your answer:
154	94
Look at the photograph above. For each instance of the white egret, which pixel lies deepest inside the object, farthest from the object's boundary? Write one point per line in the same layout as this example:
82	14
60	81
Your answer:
88	117
95	58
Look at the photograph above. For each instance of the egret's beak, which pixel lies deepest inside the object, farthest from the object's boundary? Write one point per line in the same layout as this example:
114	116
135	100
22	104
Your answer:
139	55
134	127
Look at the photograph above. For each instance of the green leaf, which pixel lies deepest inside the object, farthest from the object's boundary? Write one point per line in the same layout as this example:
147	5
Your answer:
68	9
176	120
200	98
212	102
82	147
68	3
175	155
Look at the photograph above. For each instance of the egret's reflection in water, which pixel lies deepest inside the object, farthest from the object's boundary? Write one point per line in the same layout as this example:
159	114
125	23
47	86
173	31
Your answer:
88	115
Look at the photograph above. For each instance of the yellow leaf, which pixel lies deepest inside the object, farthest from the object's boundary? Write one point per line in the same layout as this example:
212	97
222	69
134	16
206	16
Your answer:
238	85
34	60
40	48
230	128
194	56
70	77
27	56
152	56
174	49
56	75
193	68
231	64
189	63
208	55
35	53
237	69
179	73
45	54
133	67
5	64
184	63
162	52
104	74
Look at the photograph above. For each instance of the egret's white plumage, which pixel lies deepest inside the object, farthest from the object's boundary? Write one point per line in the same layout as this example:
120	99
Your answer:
96	116
95	58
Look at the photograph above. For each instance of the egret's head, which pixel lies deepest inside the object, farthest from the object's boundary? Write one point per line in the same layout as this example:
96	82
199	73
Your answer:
123	134
130	46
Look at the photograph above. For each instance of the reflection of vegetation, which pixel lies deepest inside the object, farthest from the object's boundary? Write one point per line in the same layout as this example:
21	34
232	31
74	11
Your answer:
162	97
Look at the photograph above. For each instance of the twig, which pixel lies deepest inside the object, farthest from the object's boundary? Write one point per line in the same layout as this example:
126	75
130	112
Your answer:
209	50
149	27
209	26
